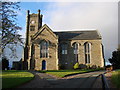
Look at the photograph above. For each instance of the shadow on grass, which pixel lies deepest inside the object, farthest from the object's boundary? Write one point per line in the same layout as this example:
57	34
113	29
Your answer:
14	82
14	78
14	71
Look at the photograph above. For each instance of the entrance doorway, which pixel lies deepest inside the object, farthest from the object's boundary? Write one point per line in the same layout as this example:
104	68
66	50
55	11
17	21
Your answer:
43	65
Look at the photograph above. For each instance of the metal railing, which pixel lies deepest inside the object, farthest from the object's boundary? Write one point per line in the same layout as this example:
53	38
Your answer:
105	85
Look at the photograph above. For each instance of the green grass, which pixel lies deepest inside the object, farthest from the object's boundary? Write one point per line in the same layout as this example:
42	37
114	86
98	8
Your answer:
14	78
63	73
116	78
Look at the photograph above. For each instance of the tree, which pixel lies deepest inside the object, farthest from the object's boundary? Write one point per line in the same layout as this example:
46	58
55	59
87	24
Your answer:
9	28
5	63
115	60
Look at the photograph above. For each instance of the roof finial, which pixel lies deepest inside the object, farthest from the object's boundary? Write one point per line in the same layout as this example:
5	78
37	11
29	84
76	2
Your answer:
28	12
38	11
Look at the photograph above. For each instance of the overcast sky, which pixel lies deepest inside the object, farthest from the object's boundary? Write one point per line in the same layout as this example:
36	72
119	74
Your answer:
64	16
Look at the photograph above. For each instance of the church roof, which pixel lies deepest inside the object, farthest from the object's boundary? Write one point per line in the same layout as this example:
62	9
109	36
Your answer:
78	35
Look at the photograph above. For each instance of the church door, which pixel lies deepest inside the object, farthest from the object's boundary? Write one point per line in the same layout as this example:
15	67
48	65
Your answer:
43	65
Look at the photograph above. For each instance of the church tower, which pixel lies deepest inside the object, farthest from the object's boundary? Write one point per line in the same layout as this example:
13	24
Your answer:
33	24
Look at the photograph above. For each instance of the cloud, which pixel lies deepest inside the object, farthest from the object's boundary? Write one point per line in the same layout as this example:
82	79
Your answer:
23	32
63	0
101	16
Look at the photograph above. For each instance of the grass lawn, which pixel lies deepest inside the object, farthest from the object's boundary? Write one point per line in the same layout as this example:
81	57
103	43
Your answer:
63	73
13	78
116	78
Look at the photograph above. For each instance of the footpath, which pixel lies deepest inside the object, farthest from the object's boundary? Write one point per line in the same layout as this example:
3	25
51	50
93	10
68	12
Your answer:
39	81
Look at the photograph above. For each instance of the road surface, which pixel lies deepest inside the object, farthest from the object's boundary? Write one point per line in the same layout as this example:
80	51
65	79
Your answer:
85	80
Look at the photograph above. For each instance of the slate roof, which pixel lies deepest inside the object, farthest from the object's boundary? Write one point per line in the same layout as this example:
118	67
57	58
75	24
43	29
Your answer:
78	35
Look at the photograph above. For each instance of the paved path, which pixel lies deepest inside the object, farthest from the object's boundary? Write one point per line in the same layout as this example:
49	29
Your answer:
40	81
86	80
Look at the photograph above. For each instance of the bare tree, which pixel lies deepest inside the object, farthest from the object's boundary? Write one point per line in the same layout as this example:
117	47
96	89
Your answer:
9	27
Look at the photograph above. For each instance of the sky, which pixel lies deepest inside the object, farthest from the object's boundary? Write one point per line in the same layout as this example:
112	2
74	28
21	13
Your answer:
75	16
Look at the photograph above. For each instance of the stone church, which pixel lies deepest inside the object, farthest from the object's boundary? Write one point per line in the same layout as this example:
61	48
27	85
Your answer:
49	50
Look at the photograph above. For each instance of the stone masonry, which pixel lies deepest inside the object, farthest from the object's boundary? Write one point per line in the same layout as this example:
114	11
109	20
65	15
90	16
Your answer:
36	33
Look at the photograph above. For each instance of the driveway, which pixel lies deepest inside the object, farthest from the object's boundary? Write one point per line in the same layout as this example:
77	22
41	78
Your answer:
85	80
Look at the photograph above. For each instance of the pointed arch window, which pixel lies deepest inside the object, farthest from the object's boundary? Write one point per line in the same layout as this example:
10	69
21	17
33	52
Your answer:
44	49
87	47
76	50
64	48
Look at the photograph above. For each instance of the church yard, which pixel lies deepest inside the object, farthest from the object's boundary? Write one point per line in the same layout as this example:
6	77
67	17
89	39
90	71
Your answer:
14	78
65	73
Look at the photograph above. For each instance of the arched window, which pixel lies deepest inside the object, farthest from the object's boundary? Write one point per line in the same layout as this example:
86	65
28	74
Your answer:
76	50
64	48
87	52
44	49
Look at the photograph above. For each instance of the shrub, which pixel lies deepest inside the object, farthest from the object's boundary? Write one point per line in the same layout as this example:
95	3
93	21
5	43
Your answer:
82	66
88	66
109	68
76	66
61	66
94	67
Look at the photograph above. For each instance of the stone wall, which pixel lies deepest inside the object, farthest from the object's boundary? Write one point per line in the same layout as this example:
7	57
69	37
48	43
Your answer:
96	53
52	60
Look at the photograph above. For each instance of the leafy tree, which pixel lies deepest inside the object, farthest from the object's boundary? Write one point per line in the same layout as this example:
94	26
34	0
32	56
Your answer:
9	27
115	60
